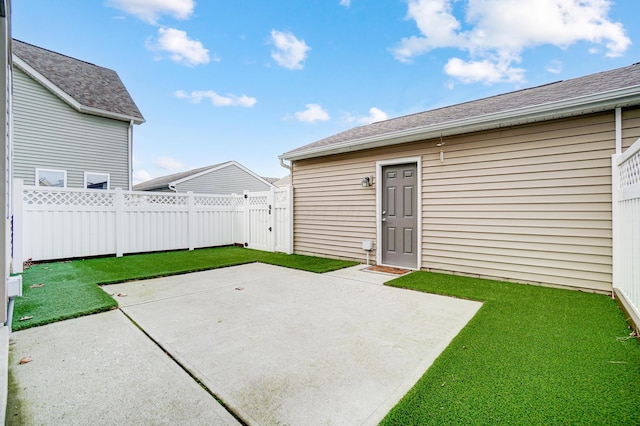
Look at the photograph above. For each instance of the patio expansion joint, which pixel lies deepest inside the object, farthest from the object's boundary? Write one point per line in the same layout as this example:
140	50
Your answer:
211	290
186	370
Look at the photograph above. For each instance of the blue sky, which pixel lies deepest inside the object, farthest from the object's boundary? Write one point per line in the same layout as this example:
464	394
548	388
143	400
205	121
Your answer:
247	80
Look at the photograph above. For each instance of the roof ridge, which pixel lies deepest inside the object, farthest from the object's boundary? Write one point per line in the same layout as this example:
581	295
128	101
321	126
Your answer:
59	54
500	94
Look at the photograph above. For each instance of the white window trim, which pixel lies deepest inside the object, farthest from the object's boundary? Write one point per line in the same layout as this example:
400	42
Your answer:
108	175
37	176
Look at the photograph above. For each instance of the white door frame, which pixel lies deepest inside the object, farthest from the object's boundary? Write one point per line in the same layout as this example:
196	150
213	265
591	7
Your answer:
379	178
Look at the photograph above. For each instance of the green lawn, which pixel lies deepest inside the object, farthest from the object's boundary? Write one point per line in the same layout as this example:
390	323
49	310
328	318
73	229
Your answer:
532	355
71	288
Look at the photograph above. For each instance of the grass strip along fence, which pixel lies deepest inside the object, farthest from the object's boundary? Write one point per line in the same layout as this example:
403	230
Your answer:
531	355
62	290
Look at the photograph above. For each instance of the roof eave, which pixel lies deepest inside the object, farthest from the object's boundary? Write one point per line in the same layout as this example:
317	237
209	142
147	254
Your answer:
555	110
64	96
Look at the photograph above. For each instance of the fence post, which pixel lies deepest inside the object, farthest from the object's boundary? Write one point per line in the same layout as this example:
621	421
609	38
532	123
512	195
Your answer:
234	206
246	219
119	207
289	219
271	204
191	220
17	247
616	237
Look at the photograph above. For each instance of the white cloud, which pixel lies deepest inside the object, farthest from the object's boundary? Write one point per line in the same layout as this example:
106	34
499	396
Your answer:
313	113
180	47
216	99
495	32
484	71
289	52
555	67
375	114
169	163
140	176
345	3
151	10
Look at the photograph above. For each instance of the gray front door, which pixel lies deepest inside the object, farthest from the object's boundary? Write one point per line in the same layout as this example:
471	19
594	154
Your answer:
399	215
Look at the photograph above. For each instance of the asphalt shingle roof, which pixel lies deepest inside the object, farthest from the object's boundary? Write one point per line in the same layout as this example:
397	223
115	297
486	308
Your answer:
540	95
90	85
163	182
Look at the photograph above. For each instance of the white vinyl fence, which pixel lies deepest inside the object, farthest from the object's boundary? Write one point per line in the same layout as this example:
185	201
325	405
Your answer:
61	223
626	229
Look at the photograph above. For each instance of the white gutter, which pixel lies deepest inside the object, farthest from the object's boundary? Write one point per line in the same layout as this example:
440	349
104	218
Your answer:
553	110
285	165
33	73
618	130
130	143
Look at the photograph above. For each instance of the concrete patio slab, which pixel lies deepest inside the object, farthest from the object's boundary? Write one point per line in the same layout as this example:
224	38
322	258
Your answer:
280	346
101	370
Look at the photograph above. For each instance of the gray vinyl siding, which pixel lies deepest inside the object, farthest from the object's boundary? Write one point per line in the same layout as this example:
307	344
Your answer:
50	134
530	203
228	180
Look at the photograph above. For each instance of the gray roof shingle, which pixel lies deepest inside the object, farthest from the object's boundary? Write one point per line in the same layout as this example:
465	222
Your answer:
602	82
90	85
163	182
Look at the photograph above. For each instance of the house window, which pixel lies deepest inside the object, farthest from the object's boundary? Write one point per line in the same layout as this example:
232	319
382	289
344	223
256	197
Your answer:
96	180
51	178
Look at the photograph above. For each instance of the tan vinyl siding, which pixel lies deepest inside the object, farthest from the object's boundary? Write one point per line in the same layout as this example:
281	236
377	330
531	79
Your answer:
228	180
630	127
49	134
530	203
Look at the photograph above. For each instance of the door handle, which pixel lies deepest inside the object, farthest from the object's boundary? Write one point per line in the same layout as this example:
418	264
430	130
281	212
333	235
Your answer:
384	219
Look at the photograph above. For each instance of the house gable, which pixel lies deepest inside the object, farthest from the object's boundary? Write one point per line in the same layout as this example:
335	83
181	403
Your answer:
88	88
49	133
227	178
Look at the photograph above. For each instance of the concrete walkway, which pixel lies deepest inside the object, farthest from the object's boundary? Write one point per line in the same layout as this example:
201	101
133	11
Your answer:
102	370
275	345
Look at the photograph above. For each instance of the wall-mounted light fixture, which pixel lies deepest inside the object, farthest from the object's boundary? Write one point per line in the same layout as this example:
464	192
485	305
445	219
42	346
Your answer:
367	181
440	145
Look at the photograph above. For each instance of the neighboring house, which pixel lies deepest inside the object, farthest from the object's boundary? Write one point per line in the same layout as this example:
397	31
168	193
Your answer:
516	186
72	121
224	178
285	181
271	180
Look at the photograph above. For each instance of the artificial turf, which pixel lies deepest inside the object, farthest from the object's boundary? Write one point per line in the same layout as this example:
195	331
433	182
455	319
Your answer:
71	289
531	355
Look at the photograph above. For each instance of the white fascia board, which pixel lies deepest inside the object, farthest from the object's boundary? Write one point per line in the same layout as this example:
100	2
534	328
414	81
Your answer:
550	111
33	73
253	174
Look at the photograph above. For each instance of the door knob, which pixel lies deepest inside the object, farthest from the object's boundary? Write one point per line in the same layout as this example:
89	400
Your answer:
384	219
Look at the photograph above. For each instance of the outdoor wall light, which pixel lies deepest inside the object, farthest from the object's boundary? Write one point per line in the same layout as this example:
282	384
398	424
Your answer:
367	182
440	145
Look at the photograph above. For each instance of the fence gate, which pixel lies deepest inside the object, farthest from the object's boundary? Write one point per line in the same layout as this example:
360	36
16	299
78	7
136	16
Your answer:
259	220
